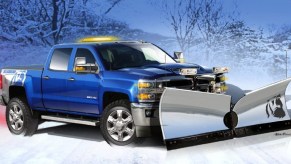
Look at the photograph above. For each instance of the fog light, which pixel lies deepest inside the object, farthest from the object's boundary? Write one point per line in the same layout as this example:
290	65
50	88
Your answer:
146	96
148	113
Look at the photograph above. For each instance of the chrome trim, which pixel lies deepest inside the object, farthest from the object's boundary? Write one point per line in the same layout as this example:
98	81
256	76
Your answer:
70	120
206	77
144	105
16	117
117	125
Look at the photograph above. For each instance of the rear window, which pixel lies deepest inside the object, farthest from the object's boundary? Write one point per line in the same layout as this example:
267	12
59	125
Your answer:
60	59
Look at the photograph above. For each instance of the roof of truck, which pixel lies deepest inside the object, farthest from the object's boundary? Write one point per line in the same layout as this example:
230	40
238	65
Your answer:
101	43
101	40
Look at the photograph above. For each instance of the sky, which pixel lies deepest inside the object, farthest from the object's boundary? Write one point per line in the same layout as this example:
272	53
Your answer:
141	14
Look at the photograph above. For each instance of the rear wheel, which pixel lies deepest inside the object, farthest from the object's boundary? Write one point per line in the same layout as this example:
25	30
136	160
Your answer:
19	118
117	124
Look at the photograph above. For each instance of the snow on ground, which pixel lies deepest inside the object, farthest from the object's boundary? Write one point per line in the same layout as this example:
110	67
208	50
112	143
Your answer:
69	143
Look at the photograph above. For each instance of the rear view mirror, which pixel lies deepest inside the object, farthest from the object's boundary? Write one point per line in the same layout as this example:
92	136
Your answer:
179	57
81	66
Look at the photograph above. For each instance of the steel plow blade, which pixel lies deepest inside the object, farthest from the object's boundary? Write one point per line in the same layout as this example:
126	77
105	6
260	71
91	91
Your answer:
187	116
190	117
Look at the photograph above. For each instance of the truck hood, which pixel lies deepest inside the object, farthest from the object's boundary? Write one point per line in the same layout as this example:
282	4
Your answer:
175	67
158	70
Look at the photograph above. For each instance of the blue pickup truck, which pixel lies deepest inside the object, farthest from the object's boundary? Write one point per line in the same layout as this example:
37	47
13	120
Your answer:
112	84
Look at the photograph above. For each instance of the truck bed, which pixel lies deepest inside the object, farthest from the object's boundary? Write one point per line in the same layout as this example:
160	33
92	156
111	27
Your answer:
28	77
31	67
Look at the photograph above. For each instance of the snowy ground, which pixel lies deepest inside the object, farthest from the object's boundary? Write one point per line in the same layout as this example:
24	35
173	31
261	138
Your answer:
67	143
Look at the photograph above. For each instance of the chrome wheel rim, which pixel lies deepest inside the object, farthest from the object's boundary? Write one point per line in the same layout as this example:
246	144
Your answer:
120	125
16	117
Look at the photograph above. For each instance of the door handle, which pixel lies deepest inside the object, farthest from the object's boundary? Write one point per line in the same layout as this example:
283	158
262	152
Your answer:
46	77
71	79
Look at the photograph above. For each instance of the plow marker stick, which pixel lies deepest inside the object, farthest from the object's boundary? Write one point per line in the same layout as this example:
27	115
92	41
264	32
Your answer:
190	118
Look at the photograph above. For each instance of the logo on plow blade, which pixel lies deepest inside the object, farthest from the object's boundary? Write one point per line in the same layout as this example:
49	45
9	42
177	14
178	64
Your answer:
274	107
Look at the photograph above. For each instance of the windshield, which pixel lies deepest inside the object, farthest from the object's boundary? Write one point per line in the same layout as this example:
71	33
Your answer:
125	55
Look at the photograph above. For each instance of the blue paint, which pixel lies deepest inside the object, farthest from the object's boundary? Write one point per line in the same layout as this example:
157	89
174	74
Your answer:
85	94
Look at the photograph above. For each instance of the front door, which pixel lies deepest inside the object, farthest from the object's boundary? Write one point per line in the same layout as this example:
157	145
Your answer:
83	87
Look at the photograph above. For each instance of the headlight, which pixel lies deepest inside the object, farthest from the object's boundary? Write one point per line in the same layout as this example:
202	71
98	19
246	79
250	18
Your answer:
146	85
149	91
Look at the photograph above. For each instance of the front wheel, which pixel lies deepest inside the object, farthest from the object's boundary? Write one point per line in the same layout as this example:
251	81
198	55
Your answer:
19	118
117	124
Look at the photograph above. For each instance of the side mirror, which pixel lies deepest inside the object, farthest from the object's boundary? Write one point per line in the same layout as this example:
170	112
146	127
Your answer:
80	61
179	57
81	66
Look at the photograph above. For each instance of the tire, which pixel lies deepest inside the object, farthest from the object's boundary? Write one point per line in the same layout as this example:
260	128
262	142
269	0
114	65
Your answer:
117	124
19	118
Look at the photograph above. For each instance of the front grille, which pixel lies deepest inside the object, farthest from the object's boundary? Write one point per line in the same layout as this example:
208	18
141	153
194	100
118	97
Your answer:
200	81
177	83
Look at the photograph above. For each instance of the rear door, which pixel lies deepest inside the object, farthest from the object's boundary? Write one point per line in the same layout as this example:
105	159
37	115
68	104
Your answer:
55	77
83	88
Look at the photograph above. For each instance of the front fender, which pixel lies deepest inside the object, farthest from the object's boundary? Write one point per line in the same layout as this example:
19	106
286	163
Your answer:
118	86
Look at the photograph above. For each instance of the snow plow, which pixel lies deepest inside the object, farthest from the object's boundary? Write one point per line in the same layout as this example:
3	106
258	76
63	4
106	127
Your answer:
209	117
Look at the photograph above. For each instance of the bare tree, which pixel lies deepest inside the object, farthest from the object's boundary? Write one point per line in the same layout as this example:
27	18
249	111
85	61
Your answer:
183	16
213	24
60	17
197	22
49	22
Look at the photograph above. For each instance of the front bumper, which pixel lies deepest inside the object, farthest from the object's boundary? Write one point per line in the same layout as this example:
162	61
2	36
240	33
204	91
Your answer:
146	125
138	111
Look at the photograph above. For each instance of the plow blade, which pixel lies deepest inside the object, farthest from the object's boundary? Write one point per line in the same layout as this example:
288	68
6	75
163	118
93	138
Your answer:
190	117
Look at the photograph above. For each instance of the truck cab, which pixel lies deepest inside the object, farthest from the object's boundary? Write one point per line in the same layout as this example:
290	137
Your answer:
114	84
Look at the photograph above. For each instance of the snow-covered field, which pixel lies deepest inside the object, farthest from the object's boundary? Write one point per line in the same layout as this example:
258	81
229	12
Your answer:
68	143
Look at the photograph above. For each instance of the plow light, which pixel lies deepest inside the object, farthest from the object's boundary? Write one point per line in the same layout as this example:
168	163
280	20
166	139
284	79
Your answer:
220	69
188	71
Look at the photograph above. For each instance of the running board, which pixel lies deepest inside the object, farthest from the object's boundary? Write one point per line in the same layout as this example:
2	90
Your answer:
71	120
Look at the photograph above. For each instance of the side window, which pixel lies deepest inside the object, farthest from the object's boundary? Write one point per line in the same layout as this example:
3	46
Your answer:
60	59
90	60
81	52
